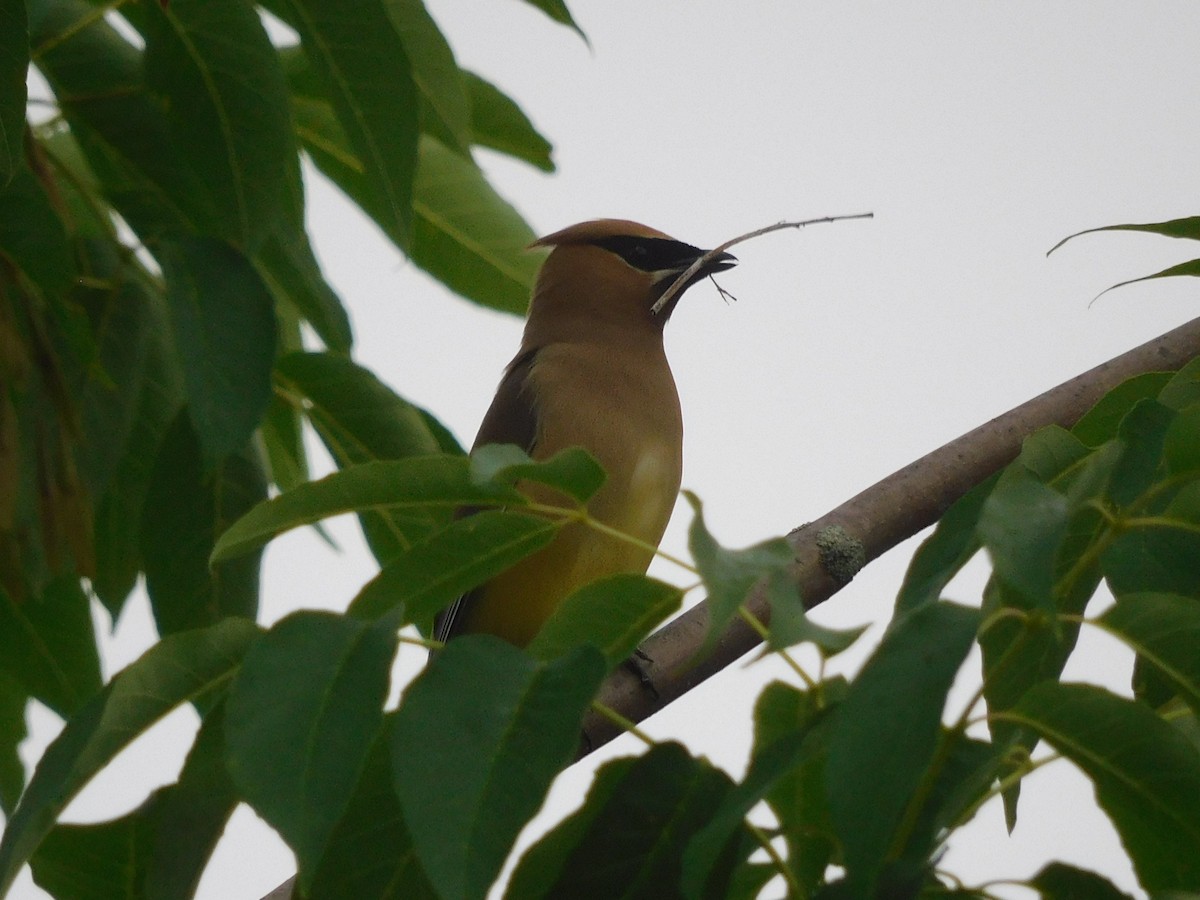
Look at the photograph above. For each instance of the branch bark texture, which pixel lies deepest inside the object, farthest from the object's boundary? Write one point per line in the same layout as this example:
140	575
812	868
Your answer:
877	519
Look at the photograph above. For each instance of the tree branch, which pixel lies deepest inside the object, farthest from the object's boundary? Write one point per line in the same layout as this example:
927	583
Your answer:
876	520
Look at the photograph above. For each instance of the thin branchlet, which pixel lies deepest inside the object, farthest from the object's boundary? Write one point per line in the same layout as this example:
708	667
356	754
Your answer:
685	276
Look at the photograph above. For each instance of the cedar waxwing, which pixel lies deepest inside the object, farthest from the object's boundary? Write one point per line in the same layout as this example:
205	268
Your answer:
591	372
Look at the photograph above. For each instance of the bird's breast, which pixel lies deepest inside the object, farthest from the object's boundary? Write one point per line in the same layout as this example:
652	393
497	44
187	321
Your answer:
620	404
641	502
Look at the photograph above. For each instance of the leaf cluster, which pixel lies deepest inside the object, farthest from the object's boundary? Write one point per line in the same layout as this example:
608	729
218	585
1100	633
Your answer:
156	278
155	271
158	290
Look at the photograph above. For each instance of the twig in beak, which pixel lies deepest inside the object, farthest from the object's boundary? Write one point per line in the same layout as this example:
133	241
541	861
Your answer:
701	262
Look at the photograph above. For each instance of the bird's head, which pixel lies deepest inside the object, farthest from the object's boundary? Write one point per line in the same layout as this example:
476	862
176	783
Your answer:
608	273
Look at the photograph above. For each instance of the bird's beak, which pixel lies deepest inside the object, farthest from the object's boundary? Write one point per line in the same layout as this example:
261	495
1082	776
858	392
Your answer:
720	263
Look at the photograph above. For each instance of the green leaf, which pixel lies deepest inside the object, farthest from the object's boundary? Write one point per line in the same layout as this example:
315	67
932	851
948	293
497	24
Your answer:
223	318
1159	559
429	575
769	765
186	508
942	554
542	864
1059	881
363	68
288	267
190	815
283	440
357	416
1026	642
108	386
293	275
433	69
1052	452
557	10
749	880
1100	423
799	798
790	625
464	234
886	733
14	63
1181	444
1184	721
48	646
85	215
418	484
729	575
629	837
1059	483
95	861
1176	228
1020	649
614	615
469	237
1164	629
32	236
1191	267
98	81
13	700
1143	432
1146	774
360	419
44	509
573	471
1183	390
291	336
118	516
303	713
178	669
1022	525
370	852
160	849
1188	228
472	766
967	771
499	124
222	88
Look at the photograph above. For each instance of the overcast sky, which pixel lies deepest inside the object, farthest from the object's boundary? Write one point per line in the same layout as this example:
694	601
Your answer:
978	133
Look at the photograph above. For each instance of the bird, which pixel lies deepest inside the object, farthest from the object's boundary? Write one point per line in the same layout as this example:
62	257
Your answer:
592	372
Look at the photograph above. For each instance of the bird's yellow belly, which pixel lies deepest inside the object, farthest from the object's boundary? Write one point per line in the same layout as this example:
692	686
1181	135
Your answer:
638	503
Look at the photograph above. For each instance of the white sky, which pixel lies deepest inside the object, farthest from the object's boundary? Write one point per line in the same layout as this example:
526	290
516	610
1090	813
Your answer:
979	133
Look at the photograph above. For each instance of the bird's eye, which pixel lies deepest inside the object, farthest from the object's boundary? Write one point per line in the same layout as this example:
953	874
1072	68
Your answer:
649	254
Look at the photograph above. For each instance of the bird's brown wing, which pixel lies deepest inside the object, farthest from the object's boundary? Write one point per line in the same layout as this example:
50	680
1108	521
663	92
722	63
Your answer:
511	419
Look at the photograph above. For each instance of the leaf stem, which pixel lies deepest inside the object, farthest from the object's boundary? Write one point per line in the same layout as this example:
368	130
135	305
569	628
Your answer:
585	518
1161	522
80	24
763	632
1027	767
777	861
627	725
